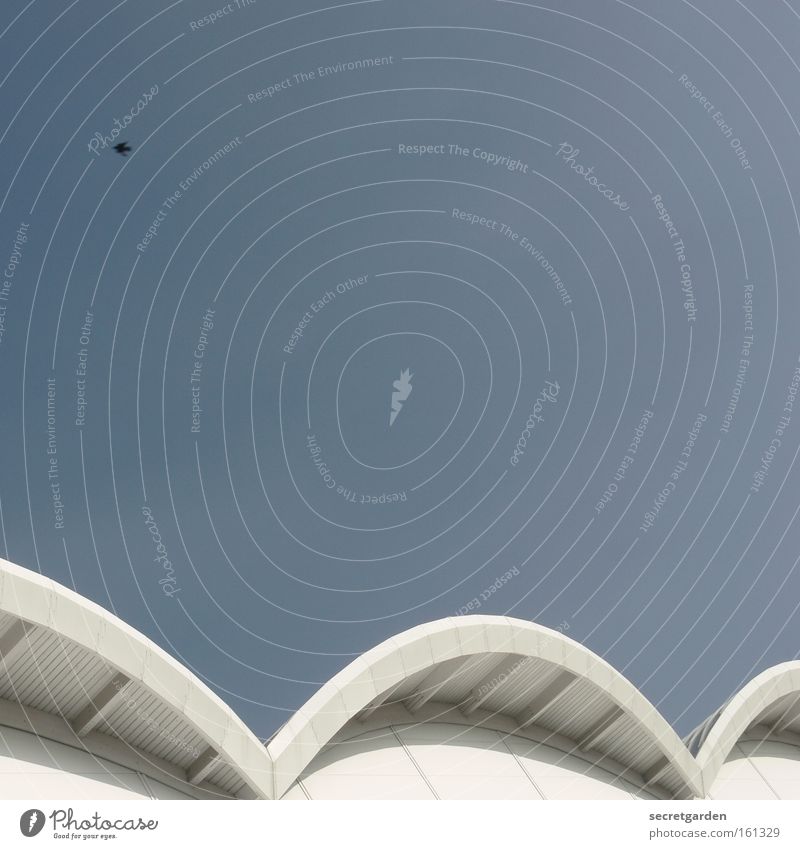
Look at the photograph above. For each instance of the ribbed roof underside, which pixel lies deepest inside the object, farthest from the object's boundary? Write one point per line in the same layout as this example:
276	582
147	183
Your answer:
518	687
6	620
783	715
142	720
513	694
40	669
51	674
227	779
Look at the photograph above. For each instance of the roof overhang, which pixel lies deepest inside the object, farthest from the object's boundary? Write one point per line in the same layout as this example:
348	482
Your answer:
94	662
768	707
428	656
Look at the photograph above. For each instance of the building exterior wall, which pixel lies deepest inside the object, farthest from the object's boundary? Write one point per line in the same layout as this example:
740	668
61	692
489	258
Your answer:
33	767
759	770
446	761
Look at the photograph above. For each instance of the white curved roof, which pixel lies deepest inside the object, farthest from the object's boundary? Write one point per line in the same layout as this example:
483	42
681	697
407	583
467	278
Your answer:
502	666
73	672
766	708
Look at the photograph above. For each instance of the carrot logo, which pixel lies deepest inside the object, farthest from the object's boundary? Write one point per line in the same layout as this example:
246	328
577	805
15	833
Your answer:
403	389
31	822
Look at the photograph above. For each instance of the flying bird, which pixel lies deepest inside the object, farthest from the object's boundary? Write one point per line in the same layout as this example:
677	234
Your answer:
122	148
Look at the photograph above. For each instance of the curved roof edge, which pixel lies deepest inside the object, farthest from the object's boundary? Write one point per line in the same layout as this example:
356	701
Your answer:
418	648
45	603
724	729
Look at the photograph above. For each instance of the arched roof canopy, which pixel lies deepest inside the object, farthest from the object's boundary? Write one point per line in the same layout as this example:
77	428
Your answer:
71	670
505	665
768	707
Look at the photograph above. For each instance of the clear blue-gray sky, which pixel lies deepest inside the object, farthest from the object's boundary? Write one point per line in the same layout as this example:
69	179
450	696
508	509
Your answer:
397	310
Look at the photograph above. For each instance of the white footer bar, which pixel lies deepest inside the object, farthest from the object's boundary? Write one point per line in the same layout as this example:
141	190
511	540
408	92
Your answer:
386	825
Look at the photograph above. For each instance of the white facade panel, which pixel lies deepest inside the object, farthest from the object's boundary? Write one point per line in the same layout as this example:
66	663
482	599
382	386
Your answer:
367	787
461	762
377	754
35	768
449	761
372	766
481	787
560	775
759	770
295	794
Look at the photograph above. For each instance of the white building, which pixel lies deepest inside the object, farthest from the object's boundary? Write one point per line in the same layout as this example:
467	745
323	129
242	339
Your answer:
473	707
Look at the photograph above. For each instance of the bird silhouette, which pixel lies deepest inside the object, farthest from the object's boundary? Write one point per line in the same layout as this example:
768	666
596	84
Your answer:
122	148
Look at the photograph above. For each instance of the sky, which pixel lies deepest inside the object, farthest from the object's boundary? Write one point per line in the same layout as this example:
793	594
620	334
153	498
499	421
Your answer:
394	310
